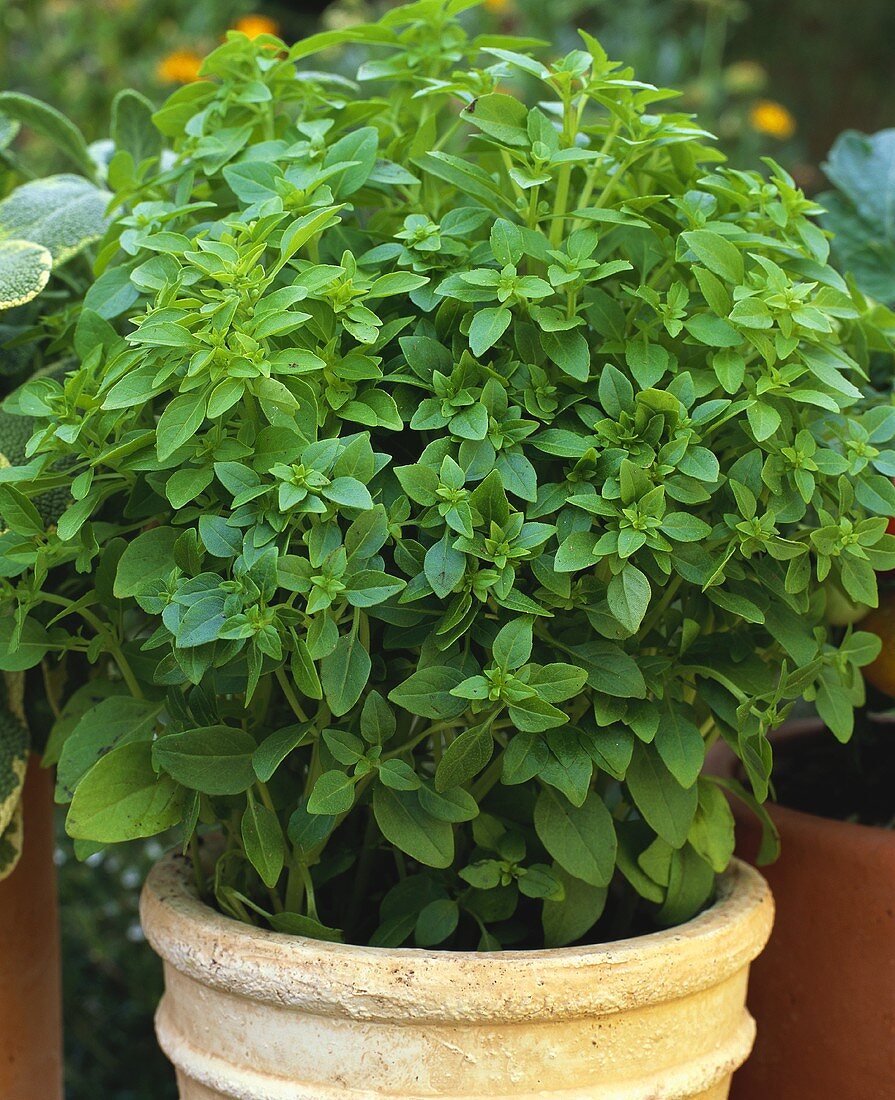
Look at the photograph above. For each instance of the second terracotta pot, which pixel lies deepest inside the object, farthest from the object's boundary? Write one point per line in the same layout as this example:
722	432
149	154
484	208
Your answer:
30	986
823	992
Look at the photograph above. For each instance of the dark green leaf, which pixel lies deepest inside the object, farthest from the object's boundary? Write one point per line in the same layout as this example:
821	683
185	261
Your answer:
215	760
122	798
344	673
407	825
580	839
666	806
466	756
428	693
262	839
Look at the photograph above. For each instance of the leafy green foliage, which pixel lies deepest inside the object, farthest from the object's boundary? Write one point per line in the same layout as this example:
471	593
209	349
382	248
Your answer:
444	480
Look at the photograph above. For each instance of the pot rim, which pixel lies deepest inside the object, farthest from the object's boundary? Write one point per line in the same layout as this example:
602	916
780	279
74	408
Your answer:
391	984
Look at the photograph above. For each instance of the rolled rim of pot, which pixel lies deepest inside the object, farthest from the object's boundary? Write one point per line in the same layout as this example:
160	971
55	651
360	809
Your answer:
390	984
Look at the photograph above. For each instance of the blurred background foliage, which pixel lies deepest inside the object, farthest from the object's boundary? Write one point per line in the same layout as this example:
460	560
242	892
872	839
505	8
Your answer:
770	78
112	981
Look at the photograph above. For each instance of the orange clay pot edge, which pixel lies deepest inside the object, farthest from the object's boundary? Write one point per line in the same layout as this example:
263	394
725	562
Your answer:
823	992
30	974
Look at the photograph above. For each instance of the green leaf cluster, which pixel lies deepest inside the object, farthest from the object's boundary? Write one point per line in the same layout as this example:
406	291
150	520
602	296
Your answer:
447	473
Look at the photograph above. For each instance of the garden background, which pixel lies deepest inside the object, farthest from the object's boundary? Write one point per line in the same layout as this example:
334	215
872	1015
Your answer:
771	79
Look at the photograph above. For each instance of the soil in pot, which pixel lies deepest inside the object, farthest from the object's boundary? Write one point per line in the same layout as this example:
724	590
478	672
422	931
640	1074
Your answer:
816	774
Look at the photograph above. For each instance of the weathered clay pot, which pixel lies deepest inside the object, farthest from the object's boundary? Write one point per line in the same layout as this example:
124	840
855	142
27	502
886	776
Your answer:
254	1015
823	993
30	986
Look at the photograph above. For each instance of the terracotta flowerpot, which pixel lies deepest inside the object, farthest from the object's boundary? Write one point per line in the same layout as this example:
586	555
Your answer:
30	984
254	1015
823	993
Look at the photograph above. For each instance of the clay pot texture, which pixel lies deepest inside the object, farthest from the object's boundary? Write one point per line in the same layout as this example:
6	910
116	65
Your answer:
823	993
255	1015
30	983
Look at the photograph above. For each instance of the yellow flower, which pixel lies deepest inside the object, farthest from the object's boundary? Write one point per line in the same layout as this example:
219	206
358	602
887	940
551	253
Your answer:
179	67
254	25
745	78
498	6
772	118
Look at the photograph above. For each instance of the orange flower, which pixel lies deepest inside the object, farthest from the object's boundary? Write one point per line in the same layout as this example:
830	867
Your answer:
772	118
179	67
254	25
498	7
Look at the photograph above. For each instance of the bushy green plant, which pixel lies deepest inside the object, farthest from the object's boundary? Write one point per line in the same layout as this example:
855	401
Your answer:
447	474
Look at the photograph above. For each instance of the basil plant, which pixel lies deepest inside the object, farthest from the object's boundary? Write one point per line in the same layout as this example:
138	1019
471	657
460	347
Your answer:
446	474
